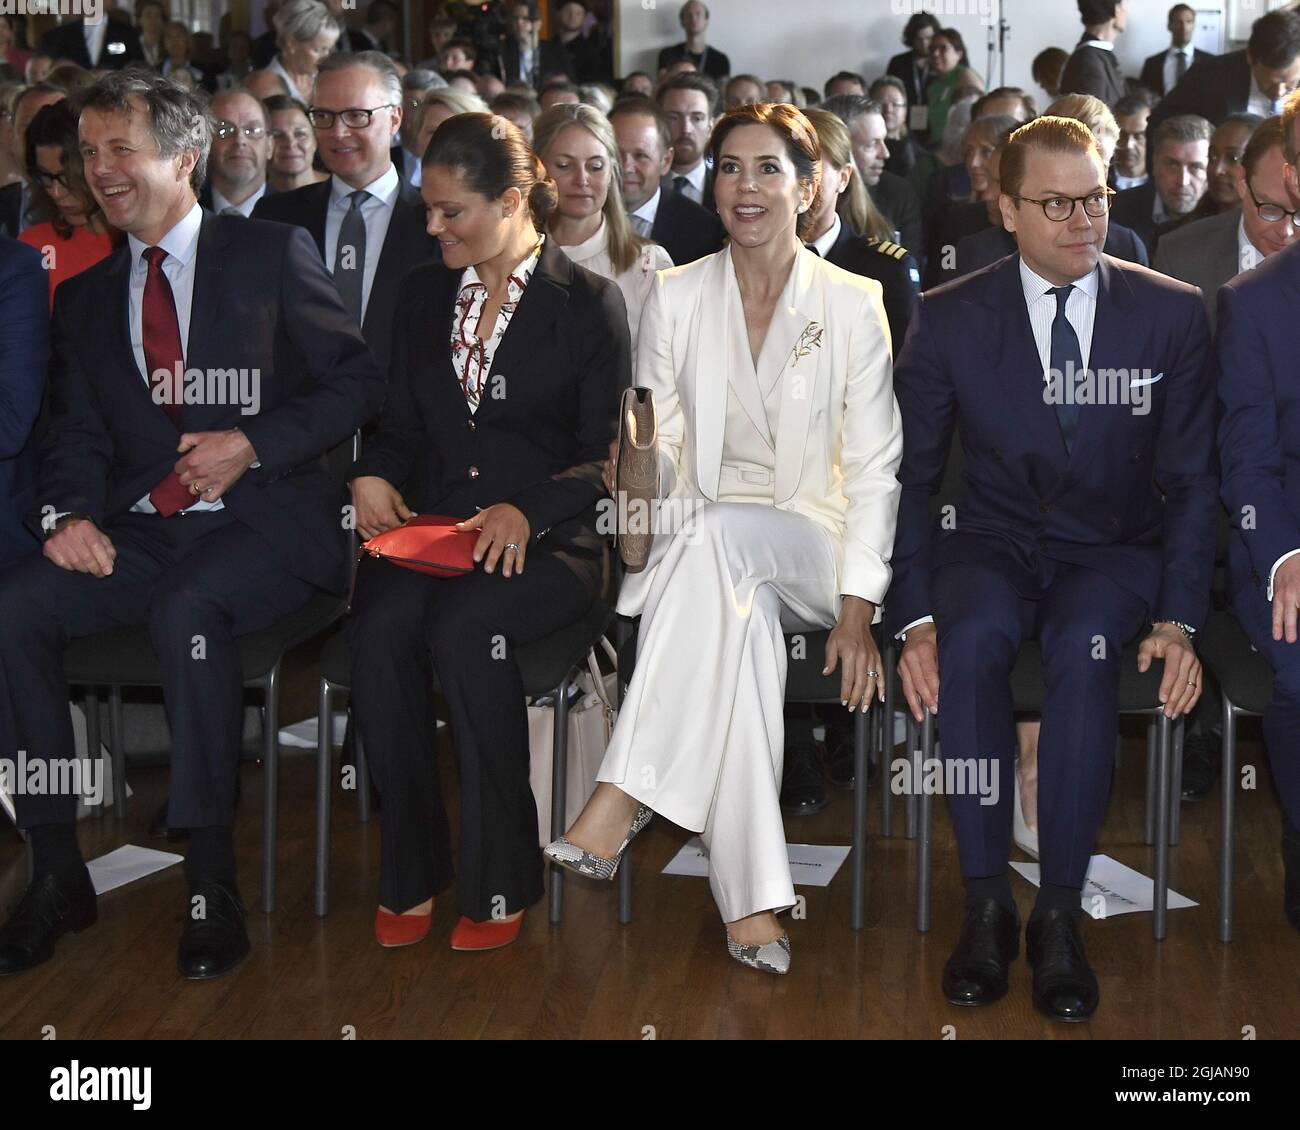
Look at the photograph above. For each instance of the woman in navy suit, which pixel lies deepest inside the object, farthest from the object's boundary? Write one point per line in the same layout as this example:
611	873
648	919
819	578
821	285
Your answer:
507	364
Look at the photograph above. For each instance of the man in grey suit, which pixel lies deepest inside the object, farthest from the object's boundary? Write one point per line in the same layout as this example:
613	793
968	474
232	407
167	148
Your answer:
1209	252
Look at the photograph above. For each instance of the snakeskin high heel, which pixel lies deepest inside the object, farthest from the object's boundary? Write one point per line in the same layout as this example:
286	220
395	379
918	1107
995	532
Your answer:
573	858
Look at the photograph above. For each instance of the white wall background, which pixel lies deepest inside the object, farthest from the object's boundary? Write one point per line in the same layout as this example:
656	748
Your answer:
809	40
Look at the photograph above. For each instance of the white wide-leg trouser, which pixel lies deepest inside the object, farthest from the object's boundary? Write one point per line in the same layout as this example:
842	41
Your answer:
700	738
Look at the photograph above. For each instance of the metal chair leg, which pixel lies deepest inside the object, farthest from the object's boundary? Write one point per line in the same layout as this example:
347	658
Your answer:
117	745
270	786
1228	826
1149	827
324	732
909	797
890	660
923	833
625	888
559	786
1176	785
93	743
857	898
363	775
1164	753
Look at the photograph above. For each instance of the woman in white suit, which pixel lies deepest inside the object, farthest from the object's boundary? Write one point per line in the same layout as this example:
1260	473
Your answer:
780	436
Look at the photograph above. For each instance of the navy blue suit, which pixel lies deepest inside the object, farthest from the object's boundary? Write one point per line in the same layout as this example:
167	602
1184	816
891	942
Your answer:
1072	549
263	302
24	355
1259	444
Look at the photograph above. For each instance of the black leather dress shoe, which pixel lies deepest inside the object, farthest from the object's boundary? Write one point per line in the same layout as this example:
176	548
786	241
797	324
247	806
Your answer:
1201	761
803	790
1291	871
976	973
51	906
1064	986
215	938
839	758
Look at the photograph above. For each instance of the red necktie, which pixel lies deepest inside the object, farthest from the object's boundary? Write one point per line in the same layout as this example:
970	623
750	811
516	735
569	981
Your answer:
163	358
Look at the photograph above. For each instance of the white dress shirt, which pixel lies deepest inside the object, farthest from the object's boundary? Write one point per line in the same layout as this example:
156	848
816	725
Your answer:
694	188
1171	64
182	246
650	209
244	207
1080	312
95	34
376	212
827	241
1260	103
1123	182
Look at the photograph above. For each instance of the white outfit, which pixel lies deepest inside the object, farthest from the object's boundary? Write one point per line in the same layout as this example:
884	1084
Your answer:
791	464
635	282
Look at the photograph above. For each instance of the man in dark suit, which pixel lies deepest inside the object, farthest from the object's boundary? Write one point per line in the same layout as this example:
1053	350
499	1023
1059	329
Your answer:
1165	70
690	104
224	340
523	57
24	354
591	52
1253	80
1086	514
241	148
1093	68
368	222
107	44
912	66
694	18
1207	253
1179	174
680	226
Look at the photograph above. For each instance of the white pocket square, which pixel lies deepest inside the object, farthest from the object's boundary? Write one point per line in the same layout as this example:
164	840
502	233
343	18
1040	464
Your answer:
1138	381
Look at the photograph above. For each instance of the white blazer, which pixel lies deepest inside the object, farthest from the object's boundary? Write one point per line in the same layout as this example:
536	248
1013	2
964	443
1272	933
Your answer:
839	437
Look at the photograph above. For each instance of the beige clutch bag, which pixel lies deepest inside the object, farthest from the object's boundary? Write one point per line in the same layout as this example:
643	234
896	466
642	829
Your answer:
636	476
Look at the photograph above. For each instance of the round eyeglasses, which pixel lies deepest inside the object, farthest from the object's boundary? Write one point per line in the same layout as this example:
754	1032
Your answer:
1268	212
1060	208
227	130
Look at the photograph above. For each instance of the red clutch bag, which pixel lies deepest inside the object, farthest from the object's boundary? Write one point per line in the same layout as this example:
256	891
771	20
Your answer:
428	543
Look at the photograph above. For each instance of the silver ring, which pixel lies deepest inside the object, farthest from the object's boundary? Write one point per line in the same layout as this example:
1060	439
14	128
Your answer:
511	545
1190	683
873	674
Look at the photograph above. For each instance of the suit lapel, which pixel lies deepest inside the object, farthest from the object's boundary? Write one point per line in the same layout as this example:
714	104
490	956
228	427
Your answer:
117	343
737	362
316	211
710	347
1116	343
208	267
400	244
792	352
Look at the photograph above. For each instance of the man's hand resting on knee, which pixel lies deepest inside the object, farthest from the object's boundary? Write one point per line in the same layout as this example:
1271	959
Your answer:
80	546
918	667
1181	685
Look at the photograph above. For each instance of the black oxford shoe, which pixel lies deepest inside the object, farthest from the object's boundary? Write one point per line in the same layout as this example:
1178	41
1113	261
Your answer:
1064	986
52	905
976	973
215	938
803	789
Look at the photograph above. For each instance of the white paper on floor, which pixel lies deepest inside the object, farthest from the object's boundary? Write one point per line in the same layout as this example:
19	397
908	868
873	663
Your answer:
811	865
127	864
1111	888
302	735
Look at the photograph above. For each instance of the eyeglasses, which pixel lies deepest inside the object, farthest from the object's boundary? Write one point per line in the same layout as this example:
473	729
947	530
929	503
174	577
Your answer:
227	130
353	117
48	180
1058	209
1270	213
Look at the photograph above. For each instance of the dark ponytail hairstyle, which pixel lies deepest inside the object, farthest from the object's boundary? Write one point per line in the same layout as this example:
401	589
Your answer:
491	155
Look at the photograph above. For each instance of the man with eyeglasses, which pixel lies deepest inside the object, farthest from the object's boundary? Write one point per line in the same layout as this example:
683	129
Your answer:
1081	390
1259	448
367	221
241	148
1210	251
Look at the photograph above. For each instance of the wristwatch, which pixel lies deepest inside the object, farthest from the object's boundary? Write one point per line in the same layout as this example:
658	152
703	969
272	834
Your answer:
1186	629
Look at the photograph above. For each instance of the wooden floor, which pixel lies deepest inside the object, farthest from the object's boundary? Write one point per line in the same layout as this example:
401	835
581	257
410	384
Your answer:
666	975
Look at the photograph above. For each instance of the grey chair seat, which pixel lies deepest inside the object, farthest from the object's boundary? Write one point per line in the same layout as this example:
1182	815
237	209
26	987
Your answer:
1242	673
1138	691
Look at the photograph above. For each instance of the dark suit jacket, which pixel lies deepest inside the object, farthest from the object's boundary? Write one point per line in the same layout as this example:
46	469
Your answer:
592	56
264	49
1093	70
262	303
11	203
1203	254
1134	498
684	229
890	265
406	245
954	224
709	204
993	243
1259	430
897	200
68	41
566	356
1132	208
1214	88
901	66
1153	69
715	63
24	355
551	56
205	195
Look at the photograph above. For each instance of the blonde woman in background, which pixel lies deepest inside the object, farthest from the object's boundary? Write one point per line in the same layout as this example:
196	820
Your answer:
442	103
305	32
576	143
